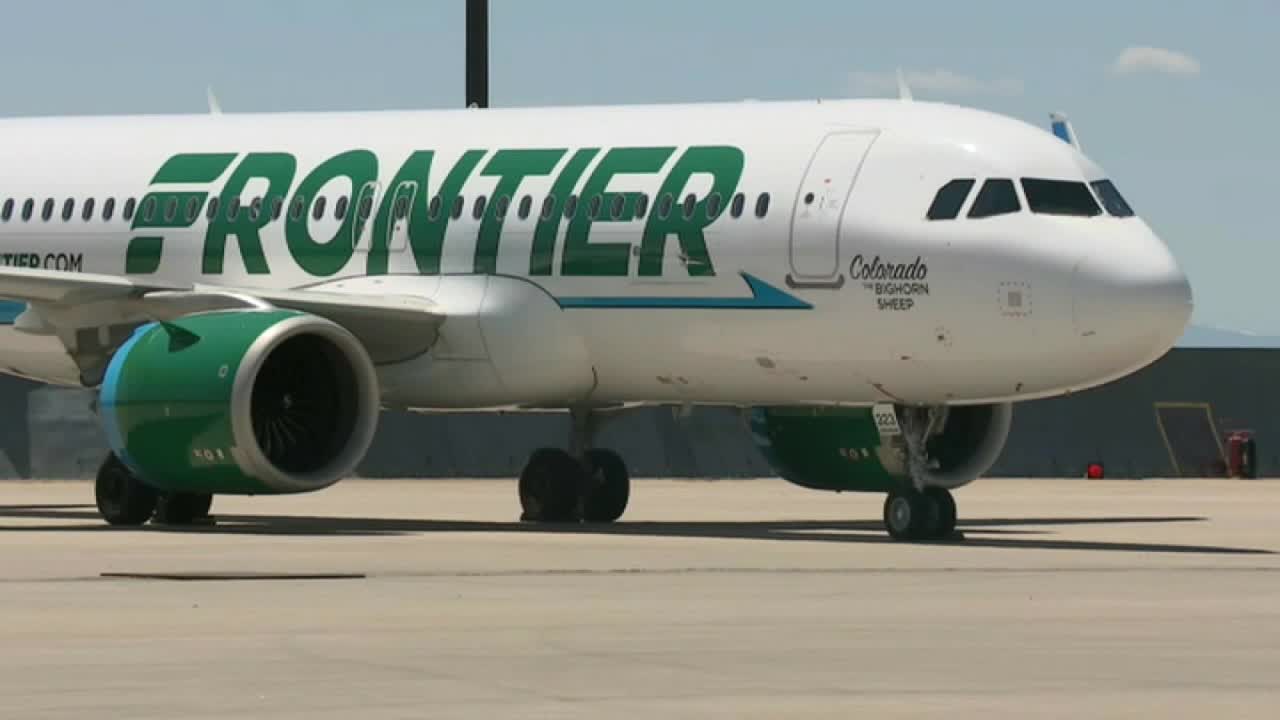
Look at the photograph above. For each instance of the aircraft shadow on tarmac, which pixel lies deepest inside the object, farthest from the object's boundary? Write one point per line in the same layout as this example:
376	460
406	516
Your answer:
1030	533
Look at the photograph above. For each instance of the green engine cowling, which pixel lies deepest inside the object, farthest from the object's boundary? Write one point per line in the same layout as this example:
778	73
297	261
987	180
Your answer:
862	449
240	402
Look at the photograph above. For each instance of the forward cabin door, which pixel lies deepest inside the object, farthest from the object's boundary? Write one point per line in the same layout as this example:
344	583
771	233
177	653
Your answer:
820	203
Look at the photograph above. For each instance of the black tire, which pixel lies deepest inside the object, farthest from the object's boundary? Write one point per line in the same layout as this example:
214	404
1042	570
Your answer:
122	498
549	486
183	508
608	486
946	508
910	515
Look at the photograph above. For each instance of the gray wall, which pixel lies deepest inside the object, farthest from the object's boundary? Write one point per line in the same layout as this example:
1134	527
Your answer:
51	432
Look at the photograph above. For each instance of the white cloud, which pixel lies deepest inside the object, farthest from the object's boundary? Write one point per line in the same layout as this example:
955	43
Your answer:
1153	59
931	82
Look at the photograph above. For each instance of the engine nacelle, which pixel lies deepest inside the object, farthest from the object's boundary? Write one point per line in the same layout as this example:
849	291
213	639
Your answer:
862	449
240	402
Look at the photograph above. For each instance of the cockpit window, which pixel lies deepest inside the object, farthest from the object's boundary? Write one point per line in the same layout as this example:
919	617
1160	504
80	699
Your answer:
950	198
997	197
1111	198
1059	197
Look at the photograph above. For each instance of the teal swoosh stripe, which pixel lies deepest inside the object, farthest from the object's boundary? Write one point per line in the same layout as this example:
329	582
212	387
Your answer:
9	311
763	297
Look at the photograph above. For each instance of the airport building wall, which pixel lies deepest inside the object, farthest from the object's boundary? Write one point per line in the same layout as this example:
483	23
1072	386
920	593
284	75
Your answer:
1165	421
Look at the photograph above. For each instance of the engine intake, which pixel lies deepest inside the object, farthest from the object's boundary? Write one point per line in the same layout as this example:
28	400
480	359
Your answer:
241	402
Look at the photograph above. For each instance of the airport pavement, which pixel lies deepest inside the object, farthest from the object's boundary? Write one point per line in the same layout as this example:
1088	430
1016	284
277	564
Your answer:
728	599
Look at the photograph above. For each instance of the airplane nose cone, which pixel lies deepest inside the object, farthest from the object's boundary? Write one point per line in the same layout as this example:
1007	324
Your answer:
1138	306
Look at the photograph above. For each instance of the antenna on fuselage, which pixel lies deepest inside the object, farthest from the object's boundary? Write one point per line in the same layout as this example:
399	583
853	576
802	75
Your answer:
477	53
904	90
215	108
1062	127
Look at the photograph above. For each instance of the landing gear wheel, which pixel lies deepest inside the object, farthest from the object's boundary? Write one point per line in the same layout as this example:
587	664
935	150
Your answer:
910	515
183	508
608	486
945	503
122	498
549	486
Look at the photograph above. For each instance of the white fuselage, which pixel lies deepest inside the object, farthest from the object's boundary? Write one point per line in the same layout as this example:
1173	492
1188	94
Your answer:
842	292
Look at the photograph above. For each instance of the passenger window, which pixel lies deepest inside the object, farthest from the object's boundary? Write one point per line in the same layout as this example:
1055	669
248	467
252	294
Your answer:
402	207
735	207
762	205
212	211
1059	197
86	213
340	207
548	207
713	205
7	211
68	208
617	206
28	206
949	199
526	205
433	208
477	209
642	205
108	208
149	209
297	208
594	208
459	203
171	210
664	206
366	206
126	213
255	209
570	206
500	207
233	208
317	210
193	209
997	197
47	212
277	205
1111	199
690	202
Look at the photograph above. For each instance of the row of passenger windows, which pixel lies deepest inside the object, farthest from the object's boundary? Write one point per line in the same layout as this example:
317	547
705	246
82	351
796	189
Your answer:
998	196
191	208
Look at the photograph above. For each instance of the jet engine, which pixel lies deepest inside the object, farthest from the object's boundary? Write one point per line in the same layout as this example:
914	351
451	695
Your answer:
240	402
865	449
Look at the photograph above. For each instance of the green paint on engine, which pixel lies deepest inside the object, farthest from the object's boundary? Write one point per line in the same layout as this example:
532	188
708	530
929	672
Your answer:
824	448
169	399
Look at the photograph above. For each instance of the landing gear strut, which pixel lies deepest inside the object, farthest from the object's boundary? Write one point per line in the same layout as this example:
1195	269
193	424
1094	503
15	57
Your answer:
583	483
921	511
123	499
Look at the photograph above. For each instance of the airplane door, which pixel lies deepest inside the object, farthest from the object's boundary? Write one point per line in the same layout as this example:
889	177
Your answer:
401	203
362	223
820	204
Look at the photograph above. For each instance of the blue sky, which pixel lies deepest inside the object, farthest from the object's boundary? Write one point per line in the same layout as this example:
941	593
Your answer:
1177	100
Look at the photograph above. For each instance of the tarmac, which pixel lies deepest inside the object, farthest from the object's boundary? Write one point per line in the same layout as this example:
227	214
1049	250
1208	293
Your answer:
711	599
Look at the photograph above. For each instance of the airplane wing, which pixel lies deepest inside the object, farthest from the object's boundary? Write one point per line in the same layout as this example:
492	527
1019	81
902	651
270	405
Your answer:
93	314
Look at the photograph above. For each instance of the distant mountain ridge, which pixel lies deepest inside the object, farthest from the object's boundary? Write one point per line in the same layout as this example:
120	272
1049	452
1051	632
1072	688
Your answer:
1200	336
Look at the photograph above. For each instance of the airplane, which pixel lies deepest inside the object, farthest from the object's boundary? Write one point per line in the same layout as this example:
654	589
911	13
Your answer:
875	283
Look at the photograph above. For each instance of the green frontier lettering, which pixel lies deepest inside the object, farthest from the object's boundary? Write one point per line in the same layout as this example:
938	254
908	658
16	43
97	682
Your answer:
428	221
326	257
246	223
724	163
512	166
581	256
171	208
544	236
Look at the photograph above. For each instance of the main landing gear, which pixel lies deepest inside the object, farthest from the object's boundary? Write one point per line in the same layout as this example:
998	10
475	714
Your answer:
583	483
921	511
123	499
